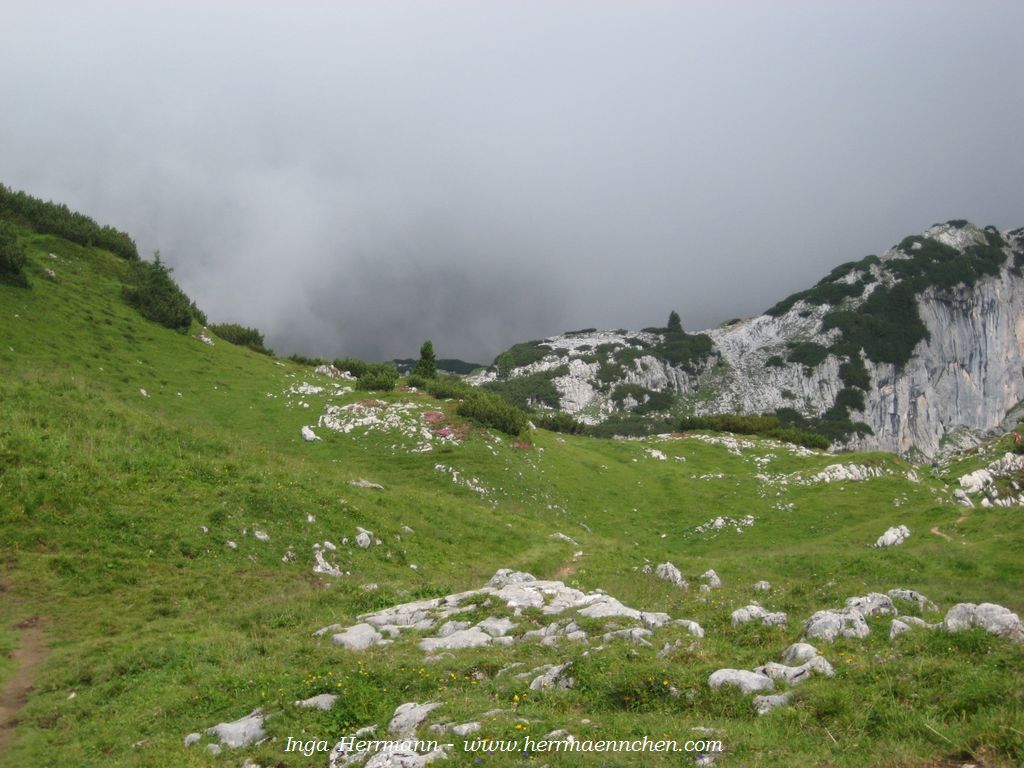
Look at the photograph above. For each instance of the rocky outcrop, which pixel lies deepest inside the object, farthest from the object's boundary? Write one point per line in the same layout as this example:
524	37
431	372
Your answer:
964	374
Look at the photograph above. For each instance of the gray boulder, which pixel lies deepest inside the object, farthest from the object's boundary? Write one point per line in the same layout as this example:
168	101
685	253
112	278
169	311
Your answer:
358	637
553	677
994	619
798	653
463	638
893	537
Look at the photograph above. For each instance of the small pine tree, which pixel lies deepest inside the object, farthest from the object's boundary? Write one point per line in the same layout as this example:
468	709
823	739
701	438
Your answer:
426	367
674	323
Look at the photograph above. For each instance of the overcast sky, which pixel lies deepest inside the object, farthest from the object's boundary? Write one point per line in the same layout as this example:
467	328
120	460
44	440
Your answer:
356	177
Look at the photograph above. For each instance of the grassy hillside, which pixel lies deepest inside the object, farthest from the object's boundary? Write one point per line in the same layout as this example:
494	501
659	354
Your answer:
130	455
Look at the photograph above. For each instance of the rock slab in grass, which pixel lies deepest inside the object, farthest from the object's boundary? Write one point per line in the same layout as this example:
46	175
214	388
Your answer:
671	574
994	619
828	625
323	702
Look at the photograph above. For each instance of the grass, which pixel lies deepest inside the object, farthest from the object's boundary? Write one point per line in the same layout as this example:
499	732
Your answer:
159	629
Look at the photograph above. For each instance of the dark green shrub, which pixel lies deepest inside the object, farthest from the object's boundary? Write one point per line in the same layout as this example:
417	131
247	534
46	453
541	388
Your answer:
807	353
380	377
526	392
622	391
447	387
413	380
157	297
775	361
887	326
674	325
311	362
656	401
12	258
684	349
558	422
242	336
491	410
350	364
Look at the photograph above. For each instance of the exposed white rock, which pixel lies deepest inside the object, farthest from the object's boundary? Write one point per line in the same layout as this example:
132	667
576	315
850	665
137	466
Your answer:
846	473
796	675
553	676
671	574
762	586
261	535
720	523
963	498
322	566
635	635
893	537
408	717
323	701
799	653
364	538
309	435
242	732
898	628
745	680
828	625
192	738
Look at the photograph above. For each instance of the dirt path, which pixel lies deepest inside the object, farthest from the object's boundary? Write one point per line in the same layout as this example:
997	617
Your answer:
937	532
30	653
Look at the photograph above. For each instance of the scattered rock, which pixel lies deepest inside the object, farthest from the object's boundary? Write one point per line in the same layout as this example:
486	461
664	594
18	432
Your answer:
796	675
214	749
192	738
358	637
497	627
364	538
361	483
309	435
963	498
755	612
846	472
893	537
143	392
762	586
746	681
765	704
230	544
635	635
243	732
671	574
261	535
465	729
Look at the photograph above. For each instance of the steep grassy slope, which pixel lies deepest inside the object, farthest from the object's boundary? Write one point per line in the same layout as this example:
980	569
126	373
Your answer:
158	629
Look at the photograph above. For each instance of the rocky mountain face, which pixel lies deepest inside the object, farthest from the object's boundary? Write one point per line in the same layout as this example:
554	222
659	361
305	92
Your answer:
905	352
